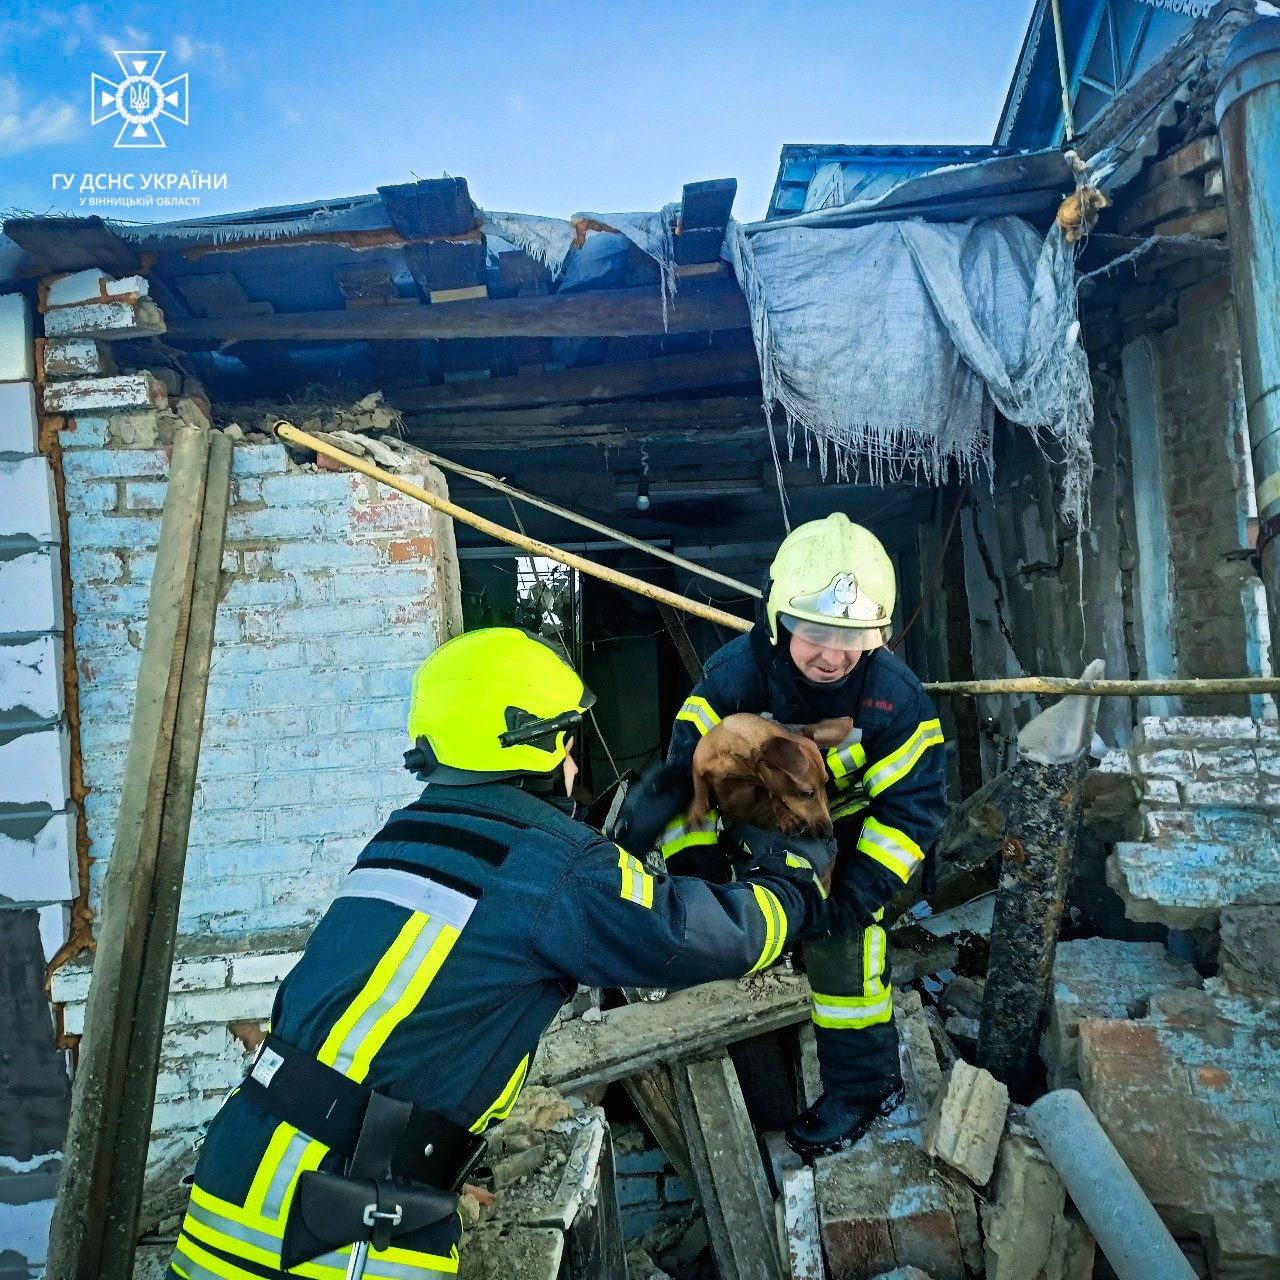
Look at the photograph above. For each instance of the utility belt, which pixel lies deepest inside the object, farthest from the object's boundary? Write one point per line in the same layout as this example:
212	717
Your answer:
381	1139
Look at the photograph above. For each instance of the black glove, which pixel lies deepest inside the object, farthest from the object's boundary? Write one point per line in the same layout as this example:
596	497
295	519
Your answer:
808	860
661	793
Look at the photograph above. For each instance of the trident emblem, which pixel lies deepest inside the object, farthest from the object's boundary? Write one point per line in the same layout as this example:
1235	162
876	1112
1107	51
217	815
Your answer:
139	99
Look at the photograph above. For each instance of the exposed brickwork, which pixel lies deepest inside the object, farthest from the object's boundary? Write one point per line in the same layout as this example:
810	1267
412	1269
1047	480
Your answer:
1205	448
1188	1097
320	626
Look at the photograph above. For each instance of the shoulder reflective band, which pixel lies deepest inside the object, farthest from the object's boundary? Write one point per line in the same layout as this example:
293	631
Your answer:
699	713
637	883
681	834
891	848
413	892
775	926
845	761
895	766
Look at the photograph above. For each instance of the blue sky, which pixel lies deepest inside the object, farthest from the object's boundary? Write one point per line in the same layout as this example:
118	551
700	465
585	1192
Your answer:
545	107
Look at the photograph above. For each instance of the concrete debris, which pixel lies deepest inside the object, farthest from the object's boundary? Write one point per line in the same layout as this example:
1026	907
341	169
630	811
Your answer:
1188	1097
642	1267
905	1273
885	1204
1102	978
1249	952
967	1121
1029	1232
1184	882
800	1225
964	1031
963	996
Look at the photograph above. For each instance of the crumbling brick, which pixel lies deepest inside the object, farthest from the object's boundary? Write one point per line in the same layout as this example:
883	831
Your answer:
1102	978
1249	952
967	1122
1188	1098
1029	1233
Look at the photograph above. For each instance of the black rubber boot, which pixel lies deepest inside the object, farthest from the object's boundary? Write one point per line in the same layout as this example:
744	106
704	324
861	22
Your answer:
835	1122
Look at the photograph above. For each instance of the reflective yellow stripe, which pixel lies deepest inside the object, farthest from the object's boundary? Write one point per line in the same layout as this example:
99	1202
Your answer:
843	762
414	990
221	1225
680	834
854	802
775	926
506	1100
374	989
874	946
843	1013
699	713
637	883
205	1266
895	766
891	848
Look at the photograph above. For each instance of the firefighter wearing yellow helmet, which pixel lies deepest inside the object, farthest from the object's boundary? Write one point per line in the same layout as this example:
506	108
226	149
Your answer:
408	1025
818	652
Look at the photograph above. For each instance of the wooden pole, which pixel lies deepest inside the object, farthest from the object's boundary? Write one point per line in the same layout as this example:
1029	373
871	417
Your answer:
500	486
1064	686
535	547
1042	814
130	1161
83	1211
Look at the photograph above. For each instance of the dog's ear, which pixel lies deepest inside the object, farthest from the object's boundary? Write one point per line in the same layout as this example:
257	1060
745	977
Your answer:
788	756
829	733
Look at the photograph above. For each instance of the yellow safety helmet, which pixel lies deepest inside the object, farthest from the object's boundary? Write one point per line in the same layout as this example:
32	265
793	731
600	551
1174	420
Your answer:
490	704
832	583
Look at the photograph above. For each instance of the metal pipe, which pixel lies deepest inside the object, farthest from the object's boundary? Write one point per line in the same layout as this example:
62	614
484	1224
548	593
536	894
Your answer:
1116	1209
1248	115
501	486
1068	122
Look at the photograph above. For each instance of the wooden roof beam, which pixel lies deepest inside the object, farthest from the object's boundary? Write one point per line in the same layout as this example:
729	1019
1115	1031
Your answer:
599	313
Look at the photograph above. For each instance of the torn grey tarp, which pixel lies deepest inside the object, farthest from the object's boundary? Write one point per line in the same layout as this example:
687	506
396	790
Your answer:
893	344
550	240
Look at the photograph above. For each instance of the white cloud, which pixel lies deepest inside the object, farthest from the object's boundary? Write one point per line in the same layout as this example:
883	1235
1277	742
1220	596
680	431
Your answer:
207	56
292	117
25	125
516	102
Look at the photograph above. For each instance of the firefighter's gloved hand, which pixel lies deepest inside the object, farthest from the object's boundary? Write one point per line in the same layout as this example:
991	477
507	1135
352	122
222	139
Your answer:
661	793
808	860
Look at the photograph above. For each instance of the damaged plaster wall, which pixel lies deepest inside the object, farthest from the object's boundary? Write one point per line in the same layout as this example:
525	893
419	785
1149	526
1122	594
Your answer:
333	591
1022	572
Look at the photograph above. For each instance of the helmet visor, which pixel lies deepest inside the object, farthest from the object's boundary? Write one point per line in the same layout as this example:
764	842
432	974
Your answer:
849	639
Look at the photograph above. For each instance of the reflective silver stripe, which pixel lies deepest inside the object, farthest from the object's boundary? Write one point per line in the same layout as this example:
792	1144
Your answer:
390	996
282	1178
413	892
226	1226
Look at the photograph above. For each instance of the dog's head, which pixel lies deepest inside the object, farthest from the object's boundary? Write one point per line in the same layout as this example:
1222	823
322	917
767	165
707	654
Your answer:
758	773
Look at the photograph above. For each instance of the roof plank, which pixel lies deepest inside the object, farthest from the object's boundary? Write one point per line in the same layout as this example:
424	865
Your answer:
601	313
596	382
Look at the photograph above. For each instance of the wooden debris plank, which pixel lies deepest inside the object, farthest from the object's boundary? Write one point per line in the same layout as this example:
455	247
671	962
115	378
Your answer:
728	1172
1177	196
599	313
59	244
654	1097
151	1005
214	294
596	382
1212	223
1186	162
707	204
687	1023
82	1214
429	207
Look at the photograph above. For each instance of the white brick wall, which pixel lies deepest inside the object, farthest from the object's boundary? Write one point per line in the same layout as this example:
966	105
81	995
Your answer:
37	825
331	599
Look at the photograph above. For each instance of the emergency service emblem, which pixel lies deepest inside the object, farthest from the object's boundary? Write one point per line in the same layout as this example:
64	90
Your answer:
140	99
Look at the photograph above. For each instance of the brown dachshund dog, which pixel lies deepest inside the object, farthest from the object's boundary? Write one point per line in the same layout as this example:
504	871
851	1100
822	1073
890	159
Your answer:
759	773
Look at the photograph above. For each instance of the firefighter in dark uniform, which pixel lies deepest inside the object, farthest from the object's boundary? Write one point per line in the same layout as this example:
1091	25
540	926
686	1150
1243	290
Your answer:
408	1026
818	654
